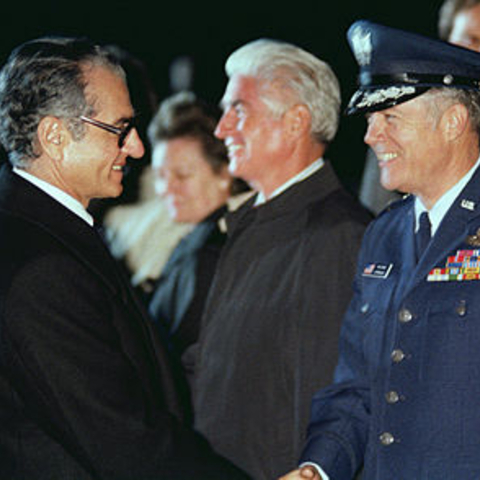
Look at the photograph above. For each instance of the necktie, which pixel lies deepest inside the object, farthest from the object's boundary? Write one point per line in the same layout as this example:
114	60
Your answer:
423	235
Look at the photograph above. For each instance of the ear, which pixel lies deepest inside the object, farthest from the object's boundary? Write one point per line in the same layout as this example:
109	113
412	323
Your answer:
297	120
455	121
224	178
52	135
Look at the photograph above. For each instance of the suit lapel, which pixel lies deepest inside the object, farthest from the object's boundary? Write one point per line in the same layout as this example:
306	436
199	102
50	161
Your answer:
401	250
23	200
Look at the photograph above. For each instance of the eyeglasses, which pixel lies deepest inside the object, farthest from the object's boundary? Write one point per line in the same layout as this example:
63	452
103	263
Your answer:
121	132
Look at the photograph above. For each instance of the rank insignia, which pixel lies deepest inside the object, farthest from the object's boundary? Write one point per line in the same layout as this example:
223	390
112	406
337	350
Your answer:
468	204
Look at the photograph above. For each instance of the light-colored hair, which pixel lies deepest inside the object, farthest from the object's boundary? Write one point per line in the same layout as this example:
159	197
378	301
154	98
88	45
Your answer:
437	100
297	75
447	13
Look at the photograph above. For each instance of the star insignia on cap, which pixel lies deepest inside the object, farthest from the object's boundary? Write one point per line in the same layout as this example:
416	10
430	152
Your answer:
362	45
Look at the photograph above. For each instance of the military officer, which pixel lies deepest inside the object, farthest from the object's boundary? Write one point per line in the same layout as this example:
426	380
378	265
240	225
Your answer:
404	403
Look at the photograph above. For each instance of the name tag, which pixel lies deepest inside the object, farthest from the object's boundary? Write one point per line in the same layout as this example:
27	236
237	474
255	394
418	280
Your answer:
377	270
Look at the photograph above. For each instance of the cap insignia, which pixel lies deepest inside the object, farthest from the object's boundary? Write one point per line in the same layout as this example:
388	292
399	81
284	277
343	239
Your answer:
362	45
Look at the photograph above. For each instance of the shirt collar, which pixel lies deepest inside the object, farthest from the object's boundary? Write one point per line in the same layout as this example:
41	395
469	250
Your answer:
59	195
305	173
441	207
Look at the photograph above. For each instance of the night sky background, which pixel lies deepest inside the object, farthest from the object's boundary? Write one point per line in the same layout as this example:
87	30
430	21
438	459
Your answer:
159	32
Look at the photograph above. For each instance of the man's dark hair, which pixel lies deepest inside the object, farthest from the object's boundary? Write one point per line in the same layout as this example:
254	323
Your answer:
46	77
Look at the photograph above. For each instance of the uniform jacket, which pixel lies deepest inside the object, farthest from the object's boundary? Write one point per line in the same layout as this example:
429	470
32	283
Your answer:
86	390
405	398
271	324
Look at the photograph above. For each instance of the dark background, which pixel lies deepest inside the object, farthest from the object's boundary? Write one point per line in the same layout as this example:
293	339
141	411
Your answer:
158	32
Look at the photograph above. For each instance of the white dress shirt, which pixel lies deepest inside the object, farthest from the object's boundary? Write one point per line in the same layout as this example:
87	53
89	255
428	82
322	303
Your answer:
59	195
305	173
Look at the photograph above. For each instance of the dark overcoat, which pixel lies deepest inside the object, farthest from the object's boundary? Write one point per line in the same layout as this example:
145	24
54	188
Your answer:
86	389
406	396
271	324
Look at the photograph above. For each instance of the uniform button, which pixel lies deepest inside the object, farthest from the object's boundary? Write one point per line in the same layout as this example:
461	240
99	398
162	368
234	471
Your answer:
386	438
461	308
405	316
365	308
397	355
392	397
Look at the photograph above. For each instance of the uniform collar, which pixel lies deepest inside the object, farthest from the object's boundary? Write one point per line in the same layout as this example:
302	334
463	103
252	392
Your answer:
443	204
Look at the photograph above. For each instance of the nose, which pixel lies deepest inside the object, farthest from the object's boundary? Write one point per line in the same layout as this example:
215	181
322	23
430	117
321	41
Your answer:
133	146
225	125
171	186
375	129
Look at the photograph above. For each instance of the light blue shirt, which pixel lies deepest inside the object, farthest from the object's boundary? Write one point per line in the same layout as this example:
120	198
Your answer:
444	203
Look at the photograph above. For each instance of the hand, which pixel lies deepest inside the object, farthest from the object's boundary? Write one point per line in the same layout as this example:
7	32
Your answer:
305	473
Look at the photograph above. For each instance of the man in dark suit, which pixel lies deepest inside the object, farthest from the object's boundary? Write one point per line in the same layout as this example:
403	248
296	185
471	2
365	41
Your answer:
86	389
271	324
404	404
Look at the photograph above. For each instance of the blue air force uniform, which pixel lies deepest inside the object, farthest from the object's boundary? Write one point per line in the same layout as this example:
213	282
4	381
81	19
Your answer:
405	404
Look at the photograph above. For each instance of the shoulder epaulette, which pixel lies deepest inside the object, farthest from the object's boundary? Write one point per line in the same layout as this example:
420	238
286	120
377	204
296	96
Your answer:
394	204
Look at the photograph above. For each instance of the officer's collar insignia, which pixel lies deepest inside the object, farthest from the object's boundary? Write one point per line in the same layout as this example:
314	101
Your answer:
468	204
362	45
473	240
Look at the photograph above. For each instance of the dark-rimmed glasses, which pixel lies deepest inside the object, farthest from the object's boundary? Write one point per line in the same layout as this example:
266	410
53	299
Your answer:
121	132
